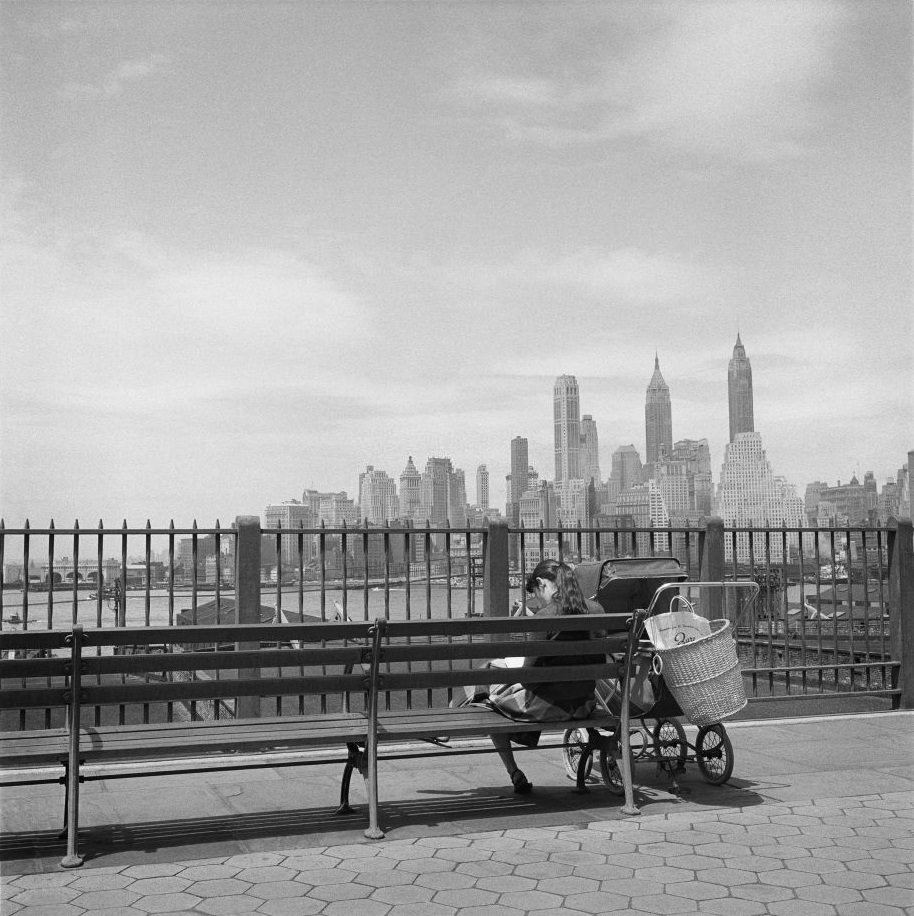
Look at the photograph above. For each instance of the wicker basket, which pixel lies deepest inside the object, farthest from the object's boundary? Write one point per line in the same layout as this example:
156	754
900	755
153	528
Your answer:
704	676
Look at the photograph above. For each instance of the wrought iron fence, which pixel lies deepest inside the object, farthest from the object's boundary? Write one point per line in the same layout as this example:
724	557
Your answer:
835	618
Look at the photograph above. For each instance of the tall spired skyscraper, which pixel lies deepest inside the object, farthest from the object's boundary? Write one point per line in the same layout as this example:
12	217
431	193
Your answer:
590	445
567	429
739	391
658	420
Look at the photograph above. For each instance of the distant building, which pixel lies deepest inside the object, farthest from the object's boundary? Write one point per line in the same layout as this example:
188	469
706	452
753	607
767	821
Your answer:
644	505
626	468
750	495
590	449
377	496
332	509
684	479
567	416
658	420
482	487
517	479
739	391
287	515
410	486
852	503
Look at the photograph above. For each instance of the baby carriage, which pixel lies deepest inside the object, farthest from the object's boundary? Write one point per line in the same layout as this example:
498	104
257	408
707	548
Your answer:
651	586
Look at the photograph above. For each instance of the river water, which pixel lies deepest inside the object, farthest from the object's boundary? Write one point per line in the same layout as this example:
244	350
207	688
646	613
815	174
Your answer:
438	602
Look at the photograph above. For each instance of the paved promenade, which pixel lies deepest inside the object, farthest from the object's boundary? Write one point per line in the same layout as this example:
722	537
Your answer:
818	818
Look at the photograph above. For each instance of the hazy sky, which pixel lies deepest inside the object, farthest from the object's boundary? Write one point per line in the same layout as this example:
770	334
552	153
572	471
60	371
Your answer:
252	247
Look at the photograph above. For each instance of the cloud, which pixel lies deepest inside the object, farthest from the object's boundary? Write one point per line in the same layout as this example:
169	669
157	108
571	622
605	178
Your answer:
738	78
116	81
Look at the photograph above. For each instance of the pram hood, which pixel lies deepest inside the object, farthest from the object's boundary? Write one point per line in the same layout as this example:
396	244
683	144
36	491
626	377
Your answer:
622	586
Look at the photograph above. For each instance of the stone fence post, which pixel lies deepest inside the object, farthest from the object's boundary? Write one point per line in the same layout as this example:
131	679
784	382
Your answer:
711	562
247	598
901	599
495	569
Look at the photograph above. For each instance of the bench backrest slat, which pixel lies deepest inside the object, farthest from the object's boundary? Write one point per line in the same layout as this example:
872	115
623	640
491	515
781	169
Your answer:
483	651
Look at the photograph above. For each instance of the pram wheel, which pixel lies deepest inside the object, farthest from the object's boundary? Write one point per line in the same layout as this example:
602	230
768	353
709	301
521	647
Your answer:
575	740
714	754
670	742
612	775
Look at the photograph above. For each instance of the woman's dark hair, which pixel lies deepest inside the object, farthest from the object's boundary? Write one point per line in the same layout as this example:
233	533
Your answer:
568	596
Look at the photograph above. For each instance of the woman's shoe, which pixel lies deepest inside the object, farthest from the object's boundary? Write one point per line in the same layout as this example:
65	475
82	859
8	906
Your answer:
522	786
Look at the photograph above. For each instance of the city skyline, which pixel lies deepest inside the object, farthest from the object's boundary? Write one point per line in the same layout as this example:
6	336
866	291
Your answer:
251	248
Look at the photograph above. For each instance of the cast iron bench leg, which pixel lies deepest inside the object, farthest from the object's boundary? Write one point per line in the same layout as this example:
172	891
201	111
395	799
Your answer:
355	755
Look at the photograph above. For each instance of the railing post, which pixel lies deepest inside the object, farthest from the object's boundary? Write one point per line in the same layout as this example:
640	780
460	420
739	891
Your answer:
247	598
711	562
495	576
901	598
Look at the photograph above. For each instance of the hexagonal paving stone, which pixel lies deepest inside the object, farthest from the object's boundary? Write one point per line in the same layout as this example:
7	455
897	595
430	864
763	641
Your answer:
757	863
366	908
663	904
605	872
105	882
693	862
153	870
229	906
318	876
421	909
446	880
524	856
332	892
727	877
260	874
853	879
800	908
481	869
352	851
275	890
877	867
218	887
891	896
97	900
309	862
163	885
540	870
48	879
568	885
506	883
762	892
826	893
405	893
729	906
52	909
293	906
255	859
45	896
167	903
530	901
596	903
422	866
384	878
213	872
696	890
465	897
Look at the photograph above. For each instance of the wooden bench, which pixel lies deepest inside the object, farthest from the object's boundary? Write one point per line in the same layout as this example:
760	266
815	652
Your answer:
109	668
423	656
322	669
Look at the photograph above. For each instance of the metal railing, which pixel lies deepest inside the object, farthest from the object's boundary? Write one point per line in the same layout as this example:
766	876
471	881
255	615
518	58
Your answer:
835	620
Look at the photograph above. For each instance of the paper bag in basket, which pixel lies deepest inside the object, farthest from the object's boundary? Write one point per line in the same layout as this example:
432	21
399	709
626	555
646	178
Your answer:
666	631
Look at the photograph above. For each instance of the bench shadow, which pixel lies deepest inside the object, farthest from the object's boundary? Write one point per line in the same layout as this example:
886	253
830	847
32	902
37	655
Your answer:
426	812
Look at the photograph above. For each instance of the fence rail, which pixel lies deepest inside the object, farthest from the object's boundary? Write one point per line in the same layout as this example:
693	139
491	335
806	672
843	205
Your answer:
835	619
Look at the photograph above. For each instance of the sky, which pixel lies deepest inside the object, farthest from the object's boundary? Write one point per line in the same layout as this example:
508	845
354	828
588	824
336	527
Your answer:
249	248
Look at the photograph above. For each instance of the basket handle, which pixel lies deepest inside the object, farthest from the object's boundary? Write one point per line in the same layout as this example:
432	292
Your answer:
681	599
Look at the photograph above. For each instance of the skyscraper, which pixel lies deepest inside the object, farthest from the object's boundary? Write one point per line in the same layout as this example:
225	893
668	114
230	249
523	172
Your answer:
626	467
567	411
739	391
482	487
410	482
749	494
590	447
658	420
518	480
377	496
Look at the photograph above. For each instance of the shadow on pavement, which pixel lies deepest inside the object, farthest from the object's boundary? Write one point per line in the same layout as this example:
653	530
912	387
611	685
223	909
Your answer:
427	812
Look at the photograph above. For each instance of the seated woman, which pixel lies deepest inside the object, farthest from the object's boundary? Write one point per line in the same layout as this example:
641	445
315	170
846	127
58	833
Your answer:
553	584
